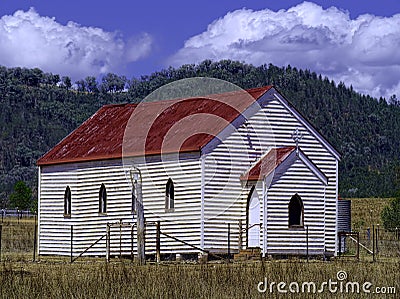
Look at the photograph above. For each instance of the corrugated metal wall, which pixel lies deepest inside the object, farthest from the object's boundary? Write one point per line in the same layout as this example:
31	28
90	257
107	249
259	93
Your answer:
344	219
344	215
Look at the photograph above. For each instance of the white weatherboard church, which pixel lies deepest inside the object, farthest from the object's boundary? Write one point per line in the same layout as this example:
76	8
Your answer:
205	162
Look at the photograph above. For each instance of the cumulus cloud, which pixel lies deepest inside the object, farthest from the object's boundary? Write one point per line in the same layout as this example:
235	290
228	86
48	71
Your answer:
30	40
363	52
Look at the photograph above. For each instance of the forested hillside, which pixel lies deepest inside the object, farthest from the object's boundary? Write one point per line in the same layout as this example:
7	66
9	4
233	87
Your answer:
38	109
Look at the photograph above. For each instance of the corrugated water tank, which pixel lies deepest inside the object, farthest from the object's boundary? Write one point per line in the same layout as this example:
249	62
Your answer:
344	220
344	215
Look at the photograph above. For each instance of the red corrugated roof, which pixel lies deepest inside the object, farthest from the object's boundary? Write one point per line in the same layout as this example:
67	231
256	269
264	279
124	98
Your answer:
179	125
268	163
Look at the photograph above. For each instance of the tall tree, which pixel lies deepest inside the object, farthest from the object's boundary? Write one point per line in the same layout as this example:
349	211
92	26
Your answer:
21	198
66	82
391	214
80	85
91	84
113	83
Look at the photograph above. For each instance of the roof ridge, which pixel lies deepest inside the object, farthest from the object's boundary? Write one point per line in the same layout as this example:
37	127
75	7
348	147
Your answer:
202	97
118	105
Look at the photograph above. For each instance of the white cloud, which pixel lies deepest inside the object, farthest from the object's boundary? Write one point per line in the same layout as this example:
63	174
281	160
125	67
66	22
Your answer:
363	52
30	40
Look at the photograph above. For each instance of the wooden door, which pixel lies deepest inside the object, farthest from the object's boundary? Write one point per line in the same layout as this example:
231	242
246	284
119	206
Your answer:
253	220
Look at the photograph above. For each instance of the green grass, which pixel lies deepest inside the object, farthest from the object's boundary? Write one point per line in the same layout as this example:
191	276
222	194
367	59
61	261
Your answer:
55	277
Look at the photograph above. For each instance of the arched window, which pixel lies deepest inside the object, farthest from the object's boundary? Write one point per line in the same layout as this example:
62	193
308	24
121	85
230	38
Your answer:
103	199
67	202
169	195
296	211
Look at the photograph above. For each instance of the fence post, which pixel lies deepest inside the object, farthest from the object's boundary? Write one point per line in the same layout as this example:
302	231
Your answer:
377	239
72	240
307	240
140	228
158	242
240	235
120	238
132	227
229	241
108	242
35	239
373	242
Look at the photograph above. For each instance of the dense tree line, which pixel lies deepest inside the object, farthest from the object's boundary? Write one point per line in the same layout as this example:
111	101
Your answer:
39	109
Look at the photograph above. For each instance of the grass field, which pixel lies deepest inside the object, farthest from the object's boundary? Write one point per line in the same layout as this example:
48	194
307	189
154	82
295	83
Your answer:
367	211
93	278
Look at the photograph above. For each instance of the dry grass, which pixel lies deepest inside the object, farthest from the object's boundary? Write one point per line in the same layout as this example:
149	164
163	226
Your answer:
17	235
124	280
92	278
367	211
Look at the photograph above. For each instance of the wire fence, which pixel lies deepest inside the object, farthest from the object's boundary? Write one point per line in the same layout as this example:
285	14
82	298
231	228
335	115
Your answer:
18	240
15	213
383	243
18	236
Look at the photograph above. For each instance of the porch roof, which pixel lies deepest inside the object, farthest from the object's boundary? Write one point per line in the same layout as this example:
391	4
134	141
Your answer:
267	164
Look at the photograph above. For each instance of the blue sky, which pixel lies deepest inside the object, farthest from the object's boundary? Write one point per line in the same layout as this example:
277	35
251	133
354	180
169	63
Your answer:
352	41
